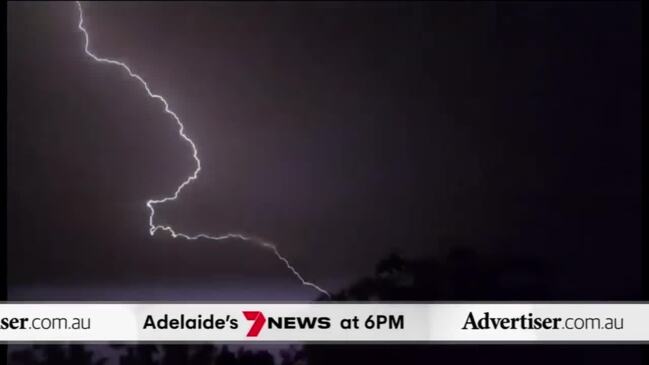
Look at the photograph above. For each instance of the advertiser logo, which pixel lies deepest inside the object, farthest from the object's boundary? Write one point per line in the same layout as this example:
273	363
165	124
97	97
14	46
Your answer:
259	320
12	323
525	321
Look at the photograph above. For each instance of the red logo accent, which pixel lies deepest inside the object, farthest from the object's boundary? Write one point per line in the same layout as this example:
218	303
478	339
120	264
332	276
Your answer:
257	325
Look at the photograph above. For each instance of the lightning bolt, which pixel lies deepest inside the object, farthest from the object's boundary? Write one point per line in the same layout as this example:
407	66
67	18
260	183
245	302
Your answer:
153	228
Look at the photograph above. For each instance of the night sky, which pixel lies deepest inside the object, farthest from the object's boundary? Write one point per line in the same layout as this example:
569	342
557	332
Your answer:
338	131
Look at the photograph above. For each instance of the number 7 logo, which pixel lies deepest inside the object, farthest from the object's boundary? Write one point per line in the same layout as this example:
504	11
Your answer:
257	325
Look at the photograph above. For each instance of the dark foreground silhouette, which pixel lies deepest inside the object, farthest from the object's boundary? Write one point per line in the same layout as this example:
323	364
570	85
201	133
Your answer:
462	274
152	355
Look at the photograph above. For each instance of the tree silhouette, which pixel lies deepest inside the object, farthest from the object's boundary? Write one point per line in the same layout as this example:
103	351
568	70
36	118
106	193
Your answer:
462	274
226	357
53	354
138	355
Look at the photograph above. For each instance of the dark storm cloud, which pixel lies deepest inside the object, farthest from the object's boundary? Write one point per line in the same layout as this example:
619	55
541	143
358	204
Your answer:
337	131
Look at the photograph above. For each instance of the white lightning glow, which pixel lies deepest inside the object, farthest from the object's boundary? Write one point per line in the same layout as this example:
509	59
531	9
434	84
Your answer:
153	228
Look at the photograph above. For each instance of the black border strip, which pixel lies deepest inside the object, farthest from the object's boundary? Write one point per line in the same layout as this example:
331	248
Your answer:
351	343
334	302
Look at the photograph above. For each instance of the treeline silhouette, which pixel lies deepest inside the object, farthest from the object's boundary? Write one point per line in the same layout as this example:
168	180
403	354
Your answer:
461	274
154	355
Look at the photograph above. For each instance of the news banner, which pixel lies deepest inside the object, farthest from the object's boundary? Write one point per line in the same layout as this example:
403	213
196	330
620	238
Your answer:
341	322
